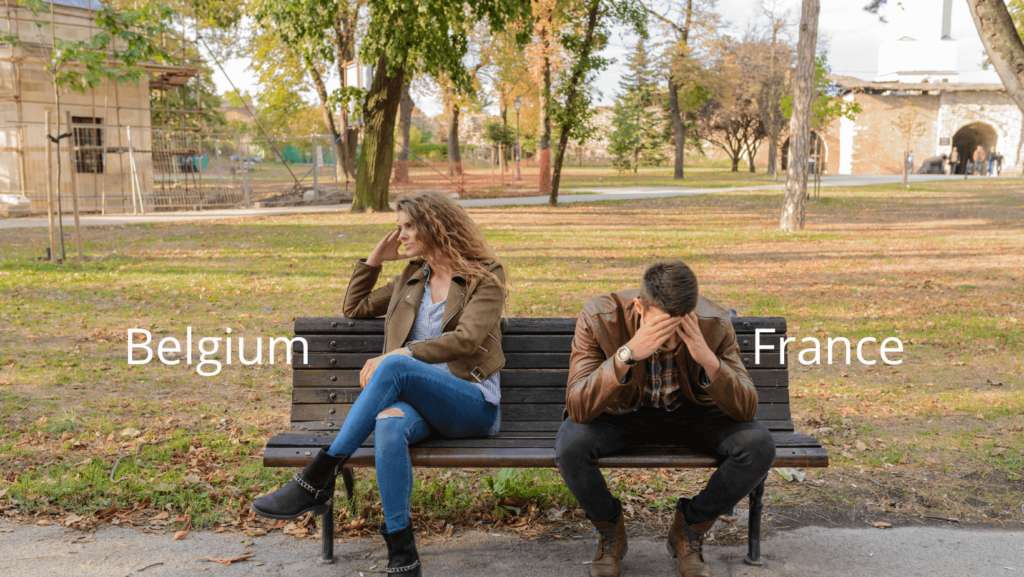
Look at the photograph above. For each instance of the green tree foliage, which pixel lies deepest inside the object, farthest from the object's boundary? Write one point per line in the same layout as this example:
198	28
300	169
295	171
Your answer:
827	104
498	134
433	39
589	24
638	124
126	38
298	44
1017	12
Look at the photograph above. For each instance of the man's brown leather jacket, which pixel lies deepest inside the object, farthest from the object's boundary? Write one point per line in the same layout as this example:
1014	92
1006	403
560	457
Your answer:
607	322
470	341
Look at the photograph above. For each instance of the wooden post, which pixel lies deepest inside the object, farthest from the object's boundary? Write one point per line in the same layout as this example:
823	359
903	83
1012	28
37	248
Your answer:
73	167
315	153
20	159
133	168
49	186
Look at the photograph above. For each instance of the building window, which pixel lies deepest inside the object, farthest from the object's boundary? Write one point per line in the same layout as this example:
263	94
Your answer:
88	144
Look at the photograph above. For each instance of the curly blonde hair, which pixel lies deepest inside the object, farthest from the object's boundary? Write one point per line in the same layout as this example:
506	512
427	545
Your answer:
447	228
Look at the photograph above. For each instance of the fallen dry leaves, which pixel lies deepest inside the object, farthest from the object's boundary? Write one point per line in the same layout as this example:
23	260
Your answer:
229	560
183	532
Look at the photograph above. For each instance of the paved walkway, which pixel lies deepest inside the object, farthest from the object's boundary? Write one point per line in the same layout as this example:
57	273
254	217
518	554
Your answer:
590	194
30	551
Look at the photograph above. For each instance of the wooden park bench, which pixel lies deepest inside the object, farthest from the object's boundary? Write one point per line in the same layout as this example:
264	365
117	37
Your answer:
532	399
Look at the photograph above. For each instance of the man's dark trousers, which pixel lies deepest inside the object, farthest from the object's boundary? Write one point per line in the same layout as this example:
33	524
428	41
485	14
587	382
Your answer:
745	449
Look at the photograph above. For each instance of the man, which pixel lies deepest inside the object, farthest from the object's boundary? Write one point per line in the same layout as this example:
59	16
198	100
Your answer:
659	361
980	160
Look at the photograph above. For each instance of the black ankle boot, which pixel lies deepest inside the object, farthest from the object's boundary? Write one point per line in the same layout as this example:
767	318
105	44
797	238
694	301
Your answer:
309	490
403	560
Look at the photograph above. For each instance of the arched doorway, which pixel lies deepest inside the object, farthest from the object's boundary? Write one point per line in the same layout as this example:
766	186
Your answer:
968	139
818	150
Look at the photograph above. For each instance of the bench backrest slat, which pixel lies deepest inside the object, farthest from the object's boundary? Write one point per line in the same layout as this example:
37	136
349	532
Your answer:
533	382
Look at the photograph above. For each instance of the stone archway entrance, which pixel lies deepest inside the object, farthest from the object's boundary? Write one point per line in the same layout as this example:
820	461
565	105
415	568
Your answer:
968	138
818	149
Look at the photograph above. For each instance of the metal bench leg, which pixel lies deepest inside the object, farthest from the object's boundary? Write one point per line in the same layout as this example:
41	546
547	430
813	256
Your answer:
350	488
327	534
754	526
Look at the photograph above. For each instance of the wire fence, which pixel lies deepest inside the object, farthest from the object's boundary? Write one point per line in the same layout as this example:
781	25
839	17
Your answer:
134	169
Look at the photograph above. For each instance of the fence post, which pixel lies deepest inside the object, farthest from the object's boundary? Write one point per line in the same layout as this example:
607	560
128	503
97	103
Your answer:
315	151
73	167
49	186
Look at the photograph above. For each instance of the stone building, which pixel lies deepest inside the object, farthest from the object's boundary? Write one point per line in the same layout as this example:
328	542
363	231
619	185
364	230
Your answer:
926	119
930	94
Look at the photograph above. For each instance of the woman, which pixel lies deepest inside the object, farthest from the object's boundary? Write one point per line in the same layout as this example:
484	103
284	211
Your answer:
440	371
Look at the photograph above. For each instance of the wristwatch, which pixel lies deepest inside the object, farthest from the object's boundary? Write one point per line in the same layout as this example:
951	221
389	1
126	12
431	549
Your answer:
625	355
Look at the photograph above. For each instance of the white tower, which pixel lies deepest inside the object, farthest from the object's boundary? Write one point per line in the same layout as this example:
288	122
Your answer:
907	55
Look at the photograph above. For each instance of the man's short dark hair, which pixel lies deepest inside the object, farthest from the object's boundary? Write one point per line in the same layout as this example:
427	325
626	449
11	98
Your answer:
670	286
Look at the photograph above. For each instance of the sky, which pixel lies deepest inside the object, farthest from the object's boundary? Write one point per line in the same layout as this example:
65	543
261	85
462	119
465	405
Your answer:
851	35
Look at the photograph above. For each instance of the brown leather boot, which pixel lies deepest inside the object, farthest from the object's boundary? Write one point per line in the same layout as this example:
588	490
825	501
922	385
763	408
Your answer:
685	543
611	548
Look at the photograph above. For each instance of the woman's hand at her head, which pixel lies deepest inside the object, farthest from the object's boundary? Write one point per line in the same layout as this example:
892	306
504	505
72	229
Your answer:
386	249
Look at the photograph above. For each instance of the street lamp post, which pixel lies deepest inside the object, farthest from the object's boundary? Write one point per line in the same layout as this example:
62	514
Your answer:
518	104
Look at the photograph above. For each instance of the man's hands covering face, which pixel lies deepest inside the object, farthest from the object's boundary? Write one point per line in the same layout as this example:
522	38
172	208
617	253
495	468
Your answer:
656	327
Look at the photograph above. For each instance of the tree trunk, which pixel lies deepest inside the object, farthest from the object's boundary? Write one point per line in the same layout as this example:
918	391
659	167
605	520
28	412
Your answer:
454	156
502	149
404	126
344	33
544	145
792	218
750	161
773	102
379	108
572	94
678	130
1002	44
735	159
337	140
678	126
1020	146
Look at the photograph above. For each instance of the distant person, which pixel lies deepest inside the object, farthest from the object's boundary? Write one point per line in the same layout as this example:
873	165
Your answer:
980	160
998	163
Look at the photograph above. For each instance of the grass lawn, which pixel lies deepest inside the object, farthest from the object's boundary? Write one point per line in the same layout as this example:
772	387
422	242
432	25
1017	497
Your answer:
483	181
86	438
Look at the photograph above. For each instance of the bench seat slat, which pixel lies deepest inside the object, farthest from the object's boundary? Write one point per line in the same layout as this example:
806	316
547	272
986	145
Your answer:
551	425
545	457
539	439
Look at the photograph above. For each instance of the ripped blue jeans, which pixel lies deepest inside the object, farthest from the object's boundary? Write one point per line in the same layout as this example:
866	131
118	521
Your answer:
406	401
